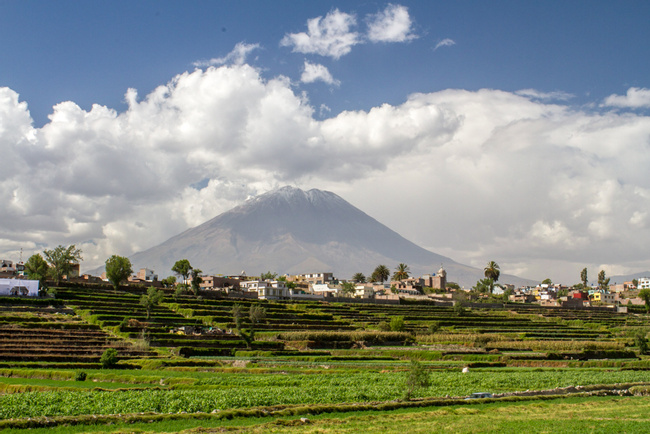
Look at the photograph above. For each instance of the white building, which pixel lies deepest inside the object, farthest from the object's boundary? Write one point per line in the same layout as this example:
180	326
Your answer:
7	266
266	289
147	275
325	289
364	291
19	287
644	282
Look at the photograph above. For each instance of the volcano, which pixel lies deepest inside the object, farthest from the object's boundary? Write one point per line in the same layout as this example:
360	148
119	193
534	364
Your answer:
292	231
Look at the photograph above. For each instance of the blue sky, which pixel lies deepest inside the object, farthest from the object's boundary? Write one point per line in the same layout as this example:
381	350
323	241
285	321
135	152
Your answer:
92	52
508	131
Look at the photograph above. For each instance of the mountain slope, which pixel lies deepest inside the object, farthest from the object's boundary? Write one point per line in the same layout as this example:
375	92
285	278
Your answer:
293	231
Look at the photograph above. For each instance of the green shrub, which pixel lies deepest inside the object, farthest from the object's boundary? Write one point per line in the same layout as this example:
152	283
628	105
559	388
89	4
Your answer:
383	326
123	325
397	323
481	341
417	377
109	358
80	376
641	342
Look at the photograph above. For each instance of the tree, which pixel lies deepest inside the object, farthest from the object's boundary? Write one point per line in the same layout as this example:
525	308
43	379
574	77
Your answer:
256	315
401	272
583	277
118	269
348	288
603	281
644	295
417	377
169	282
492	271
268	276
359	278
484	286
151	299
61	259
635	282
547	281
381	274
196	280
37	269
182	267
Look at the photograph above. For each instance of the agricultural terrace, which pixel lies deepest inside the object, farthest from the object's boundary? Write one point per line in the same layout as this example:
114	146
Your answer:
188	363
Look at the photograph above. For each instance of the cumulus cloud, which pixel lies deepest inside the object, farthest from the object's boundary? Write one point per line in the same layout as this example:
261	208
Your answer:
393	24
444	43
333	36
634	98
477	176
315	72
330	36
236	57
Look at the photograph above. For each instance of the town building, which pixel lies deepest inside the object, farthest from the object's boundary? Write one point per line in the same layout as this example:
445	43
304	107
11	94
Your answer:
147	275
325	290
604	297
267	289
436	280
220	283
312	279
643	283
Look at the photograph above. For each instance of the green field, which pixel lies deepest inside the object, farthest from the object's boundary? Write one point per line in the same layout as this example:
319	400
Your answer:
186	366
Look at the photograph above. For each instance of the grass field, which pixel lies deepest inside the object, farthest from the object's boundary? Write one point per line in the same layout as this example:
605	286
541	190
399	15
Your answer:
569	415
332	363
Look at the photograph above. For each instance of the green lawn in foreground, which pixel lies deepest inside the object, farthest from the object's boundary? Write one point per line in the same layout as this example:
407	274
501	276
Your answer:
571	415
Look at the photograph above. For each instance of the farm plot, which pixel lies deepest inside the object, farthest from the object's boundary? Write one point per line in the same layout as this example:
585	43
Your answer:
121	312
224	391
41	336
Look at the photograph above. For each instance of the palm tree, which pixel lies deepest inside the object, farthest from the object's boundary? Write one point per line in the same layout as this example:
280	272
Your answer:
381	274
359	278
492	271
401	272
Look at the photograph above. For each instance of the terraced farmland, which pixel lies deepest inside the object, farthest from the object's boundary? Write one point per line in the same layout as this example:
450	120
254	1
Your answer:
188	355
32	334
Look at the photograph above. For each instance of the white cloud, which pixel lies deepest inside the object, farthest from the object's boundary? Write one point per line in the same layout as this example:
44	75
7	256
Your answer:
330	36
478	176
393	24
554	234
635	98
324	109
444	43
545	96
236	57
315	72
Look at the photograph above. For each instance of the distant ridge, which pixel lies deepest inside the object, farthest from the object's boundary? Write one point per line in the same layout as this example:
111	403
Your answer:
628	277
292	231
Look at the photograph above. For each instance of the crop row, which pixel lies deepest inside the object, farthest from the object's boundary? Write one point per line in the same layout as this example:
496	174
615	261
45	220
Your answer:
224	391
